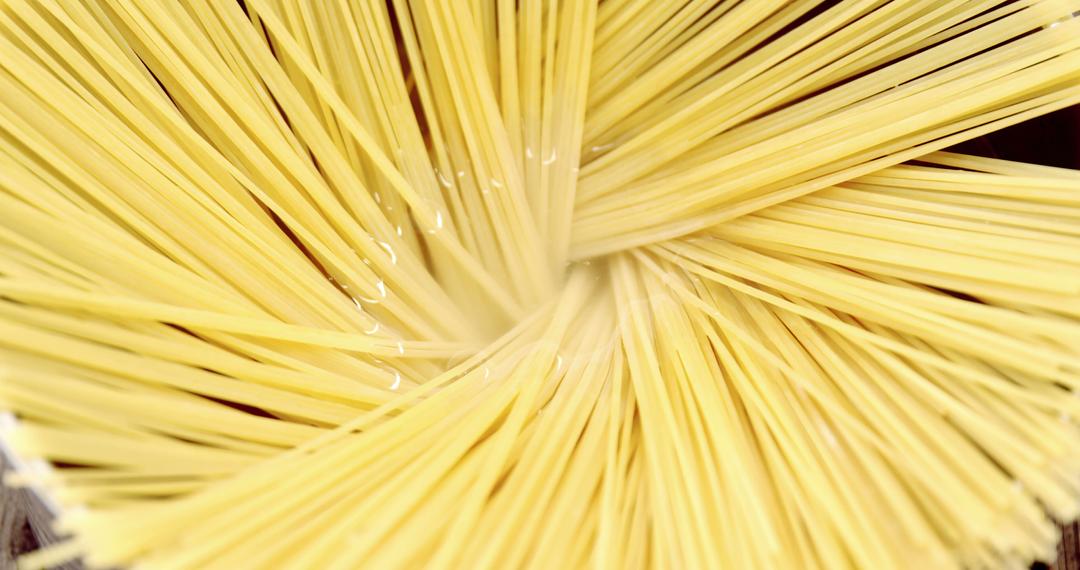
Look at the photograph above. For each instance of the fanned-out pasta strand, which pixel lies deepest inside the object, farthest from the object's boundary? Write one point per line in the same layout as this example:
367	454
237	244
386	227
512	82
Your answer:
985	65
538	284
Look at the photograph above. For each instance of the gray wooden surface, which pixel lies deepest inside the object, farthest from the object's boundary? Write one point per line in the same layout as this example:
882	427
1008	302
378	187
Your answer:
24	524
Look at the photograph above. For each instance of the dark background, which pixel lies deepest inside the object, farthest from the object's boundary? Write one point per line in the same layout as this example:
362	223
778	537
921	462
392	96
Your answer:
1053	140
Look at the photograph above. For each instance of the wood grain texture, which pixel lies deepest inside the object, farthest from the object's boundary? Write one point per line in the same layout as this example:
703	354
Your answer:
1069	549
24	525
15	527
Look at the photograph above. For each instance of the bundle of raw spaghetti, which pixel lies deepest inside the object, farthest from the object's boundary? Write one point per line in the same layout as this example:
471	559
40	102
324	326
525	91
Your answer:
538	283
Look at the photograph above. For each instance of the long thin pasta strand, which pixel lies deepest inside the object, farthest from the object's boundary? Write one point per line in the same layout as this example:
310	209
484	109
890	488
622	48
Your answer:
538	284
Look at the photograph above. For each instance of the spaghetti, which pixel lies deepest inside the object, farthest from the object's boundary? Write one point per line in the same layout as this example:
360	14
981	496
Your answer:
539	283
